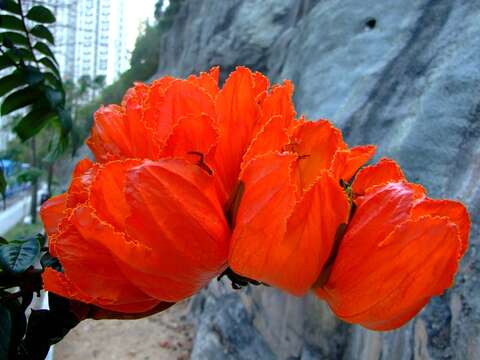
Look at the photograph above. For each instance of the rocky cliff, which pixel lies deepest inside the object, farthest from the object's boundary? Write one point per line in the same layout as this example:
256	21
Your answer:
404	75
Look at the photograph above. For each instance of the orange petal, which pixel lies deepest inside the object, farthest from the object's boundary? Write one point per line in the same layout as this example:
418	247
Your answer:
316	143
207	82
81	167
237	115
261	220
107	192
272	137
143	142
385	171
193	138
181	98
79	188
279	102
416	261
261	85
109	136
56	282
177	227
214	72
52	213
91	267
154	100
296	261
455	211
377	214
346	162
137	262
59	284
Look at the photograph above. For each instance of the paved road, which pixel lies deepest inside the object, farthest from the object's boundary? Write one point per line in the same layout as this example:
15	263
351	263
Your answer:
13	214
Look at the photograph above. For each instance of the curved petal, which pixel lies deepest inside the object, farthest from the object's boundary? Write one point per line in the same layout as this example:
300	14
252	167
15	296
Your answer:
272	137
261	85
346	162
59	284
455	211
296	261
176	229
91	267
416	261
180	99
107	192
56	282
52	212
316	144
385	171
194	138
237	113
207	81
79	188
261	221
144	143
109	138
278	102
138	263
376	216
121	132
81	167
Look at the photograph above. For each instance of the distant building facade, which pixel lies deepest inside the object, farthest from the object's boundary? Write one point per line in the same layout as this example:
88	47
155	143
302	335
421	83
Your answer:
90	37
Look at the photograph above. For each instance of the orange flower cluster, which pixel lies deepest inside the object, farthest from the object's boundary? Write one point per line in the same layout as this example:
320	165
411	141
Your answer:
191	179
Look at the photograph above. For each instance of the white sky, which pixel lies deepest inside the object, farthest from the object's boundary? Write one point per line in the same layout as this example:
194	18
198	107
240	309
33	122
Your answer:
137	12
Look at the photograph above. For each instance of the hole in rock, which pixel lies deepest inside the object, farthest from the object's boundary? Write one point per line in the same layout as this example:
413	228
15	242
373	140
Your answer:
370	24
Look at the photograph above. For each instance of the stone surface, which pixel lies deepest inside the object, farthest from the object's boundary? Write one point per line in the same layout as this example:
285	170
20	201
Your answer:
403	75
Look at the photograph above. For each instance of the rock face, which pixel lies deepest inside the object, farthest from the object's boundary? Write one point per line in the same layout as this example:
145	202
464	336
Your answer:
404	75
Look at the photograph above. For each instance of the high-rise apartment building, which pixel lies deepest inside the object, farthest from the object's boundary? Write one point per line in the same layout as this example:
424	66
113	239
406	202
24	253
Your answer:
100	48
90	37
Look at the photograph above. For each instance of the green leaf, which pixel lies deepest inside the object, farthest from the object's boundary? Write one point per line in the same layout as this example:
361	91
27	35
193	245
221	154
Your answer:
65	118
5	62
54	81
19	99
57	145
14	55
11	38
48	260
45	50
11	82
18	256
54	97
50	65
33	122
42	32
5	331
29	175
41	14
33	76
10	6
11	22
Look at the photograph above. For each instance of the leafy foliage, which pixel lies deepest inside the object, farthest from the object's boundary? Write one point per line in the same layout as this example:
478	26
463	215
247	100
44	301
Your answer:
33	96
33	85
18	256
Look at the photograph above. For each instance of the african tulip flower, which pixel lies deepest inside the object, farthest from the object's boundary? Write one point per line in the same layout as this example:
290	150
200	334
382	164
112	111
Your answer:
292	205
146	223
105	231
400	249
